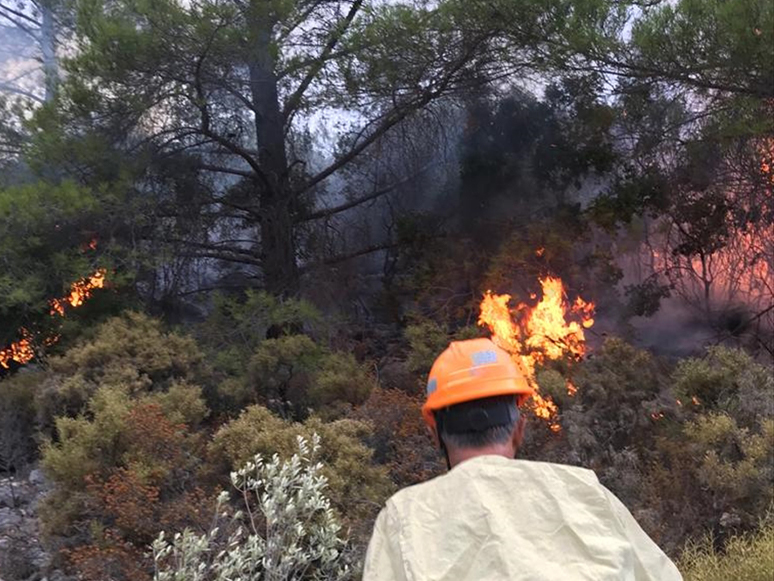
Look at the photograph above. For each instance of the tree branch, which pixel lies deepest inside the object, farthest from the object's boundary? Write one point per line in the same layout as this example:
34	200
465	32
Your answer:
295	99
18	91
327	212
350	255
17	14
227	170
395	116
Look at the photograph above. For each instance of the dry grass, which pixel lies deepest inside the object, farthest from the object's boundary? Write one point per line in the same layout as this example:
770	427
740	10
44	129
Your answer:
748	558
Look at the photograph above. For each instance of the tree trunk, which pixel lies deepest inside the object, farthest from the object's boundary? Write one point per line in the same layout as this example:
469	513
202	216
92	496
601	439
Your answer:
278	244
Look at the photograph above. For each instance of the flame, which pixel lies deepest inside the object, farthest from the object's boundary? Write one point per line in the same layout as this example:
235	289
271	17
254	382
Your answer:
80	291
534	334
23	351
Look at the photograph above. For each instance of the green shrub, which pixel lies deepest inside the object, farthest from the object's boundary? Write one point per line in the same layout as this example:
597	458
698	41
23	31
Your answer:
727	380
426	341
293	374
715	454
237	326
617	391
339	383
357	486
131	352
17	421
745	557
301	539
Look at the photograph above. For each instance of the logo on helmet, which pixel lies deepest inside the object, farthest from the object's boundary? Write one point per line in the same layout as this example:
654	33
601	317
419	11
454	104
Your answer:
483	358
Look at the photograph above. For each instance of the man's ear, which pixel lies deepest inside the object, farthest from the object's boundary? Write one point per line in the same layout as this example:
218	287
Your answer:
433	432
518	434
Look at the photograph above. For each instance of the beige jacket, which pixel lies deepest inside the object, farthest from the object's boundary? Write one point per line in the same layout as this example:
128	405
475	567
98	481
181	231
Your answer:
491	518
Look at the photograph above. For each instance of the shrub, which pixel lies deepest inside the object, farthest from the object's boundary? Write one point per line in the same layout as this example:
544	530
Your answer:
17	421
617	390
339	383
357	486
399	437
131	352
716	456
237	325
749	557
122	471
727	380
426	341
290	532
293	374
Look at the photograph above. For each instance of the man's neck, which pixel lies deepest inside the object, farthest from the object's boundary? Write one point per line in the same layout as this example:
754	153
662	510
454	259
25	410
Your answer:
459	455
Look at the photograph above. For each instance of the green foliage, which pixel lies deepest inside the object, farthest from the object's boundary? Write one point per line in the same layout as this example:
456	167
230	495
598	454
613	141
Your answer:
259	350
122	401
736	466
727	380
617	391
714	44
280	369
339	380
132	353
715	454
17	421
45	229
293	374
302	538
427	339
119	431
237	325
356	485
748	557
426	342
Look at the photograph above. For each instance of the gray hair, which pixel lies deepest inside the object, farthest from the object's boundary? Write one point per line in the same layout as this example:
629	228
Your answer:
478	439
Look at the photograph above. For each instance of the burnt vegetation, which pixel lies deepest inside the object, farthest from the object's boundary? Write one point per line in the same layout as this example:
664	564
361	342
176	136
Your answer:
227	224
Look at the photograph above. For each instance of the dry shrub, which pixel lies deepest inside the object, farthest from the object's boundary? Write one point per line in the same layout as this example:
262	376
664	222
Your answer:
399	437
745	557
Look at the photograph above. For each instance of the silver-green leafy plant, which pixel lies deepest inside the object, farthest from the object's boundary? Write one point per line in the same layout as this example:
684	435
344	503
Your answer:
285	531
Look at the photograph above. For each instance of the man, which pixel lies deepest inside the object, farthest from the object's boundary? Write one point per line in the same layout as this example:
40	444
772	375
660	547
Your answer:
495	518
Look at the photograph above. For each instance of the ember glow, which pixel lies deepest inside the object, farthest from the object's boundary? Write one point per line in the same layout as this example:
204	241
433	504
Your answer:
534	334
23	351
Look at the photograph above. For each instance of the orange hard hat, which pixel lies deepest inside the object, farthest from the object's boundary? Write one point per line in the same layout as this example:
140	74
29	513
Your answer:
471	370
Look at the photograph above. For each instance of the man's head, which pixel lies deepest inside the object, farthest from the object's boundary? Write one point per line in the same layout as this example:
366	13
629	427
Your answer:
473	393
487	426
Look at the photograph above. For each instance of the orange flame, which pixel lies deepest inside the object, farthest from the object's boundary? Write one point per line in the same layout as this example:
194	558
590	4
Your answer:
80	291
22	351
539	333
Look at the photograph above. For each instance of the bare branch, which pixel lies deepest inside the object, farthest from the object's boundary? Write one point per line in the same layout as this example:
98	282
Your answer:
295	99
395	116
327	212
18	14
19	91
227	170
350	255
